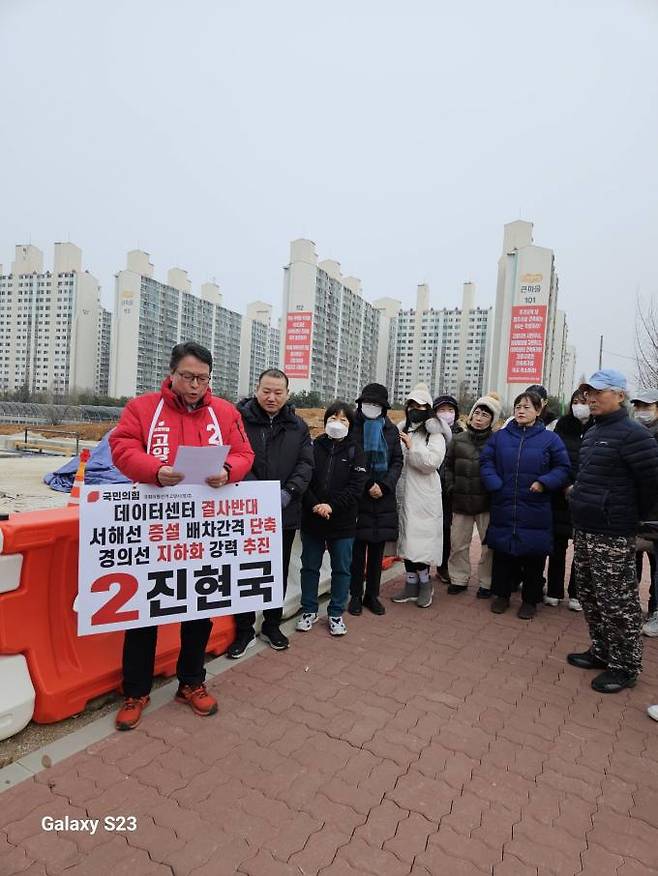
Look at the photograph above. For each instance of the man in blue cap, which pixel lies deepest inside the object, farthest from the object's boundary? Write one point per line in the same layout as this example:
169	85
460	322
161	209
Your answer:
615	488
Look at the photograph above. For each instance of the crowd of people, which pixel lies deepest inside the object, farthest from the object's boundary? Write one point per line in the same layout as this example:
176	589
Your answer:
366	488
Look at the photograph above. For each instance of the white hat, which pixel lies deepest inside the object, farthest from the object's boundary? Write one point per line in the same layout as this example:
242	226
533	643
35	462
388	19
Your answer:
490	401
420	394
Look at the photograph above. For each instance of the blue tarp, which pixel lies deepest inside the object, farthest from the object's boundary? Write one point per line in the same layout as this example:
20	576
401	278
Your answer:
99	470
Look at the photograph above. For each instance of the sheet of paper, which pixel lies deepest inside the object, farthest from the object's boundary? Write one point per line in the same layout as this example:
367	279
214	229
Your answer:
199	463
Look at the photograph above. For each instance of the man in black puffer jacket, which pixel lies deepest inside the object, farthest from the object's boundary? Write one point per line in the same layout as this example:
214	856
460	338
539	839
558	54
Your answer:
283	452
615	488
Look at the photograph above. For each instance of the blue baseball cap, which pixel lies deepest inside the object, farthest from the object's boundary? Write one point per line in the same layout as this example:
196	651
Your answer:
608	378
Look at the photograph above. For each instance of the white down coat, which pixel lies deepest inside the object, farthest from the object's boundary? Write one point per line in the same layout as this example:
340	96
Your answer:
420	504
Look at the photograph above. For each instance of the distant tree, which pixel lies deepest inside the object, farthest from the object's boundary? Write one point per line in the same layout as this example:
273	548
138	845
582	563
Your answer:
646	343
465	397
554	404
306	399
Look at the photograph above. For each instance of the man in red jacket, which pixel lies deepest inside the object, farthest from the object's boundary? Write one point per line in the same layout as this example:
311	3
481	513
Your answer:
144	445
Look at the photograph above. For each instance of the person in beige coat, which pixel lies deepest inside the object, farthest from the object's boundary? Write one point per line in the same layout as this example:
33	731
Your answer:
424	440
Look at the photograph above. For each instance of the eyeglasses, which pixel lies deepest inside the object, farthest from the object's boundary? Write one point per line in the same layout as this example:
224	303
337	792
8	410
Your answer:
201	379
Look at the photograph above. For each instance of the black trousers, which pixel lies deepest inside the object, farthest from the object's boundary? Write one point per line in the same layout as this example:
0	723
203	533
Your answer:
447	526
557	564
410	566
366	561
245	622
139	656
639	557
508	569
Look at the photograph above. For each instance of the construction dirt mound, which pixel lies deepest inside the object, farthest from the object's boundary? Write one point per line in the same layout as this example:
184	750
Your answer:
95	431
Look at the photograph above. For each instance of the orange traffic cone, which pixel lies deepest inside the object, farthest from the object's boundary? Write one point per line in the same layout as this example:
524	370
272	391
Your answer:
79	477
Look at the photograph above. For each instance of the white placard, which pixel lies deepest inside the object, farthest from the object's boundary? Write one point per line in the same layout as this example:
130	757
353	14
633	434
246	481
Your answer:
199	463
151	556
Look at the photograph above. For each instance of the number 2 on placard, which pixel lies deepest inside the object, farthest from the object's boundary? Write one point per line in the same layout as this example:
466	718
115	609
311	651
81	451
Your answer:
109	613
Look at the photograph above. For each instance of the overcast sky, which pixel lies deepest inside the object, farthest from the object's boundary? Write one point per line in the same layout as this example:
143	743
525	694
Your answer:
400	137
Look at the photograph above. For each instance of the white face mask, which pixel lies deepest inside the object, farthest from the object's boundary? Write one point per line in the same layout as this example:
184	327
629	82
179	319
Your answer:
645	416
447	417
336	429
580	412
371	411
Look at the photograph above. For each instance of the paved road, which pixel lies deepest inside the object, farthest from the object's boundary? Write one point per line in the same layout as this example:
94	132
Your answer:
447	741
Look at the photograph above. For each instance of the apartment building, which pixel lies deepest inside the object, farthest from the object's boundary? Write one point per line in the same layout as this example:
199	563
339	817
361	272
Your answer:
151	317
48	323
260	345
103	351
446	348
331	333
529	341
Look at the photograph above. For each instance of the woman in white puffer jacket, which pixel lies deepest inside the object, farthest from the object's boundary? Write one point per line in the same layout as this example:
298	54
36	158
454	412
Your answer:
424	440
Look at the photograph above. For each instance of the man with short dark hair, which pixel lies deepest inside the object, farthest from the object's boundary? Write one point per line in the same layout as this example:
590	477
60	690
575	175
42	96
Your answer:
615	488
284	453
144	446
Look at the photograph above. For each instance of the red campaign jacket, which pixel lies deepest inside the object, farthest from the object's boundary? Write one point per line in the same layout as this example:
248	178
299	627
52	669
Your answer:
153	425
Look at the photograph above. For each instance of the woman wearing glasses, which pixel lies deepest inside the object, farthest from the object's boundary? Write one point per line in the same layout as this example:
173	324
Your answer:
144	446
520	466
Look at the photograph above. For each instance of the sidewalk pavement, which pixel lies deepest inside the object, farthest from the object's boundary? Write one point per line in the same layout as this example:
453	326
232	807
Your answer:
444	741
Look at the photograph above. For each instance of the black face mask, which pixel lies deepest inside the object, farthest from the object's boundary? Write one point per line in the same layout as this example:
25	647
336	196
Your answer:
416	416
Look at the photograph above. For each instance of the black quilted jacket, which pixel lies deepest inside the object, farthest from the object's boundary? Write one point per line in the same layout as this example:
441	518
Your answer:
617	478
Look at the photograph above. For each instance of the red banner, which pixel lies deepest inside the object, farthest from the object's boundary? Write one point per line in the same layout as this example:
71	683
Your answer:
525	363
297	358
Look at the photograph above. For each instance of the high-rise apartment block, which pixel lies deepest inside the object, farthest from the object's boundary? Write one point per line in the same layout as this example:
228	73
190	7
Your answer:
529	343
260	345
151	317
331	333
442	347
48	323
104	351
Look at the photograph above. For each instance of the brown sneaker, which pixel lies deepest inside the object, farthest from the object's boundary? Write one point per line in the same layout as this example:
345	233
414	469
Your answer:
130	714
198	698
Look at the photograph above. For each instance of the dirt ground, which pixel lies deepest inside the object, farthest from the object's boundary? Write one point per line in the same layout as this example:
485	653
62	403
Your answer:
22	487
87	431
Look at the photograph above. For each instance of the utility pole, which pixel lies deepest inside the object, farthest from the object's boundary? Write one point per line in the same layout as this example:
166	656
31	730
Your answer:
601	353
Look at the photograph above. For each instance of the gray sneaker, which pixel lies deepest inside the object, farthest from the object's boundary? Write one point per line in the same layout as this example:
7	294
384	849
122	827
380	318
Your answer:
409	592
425	594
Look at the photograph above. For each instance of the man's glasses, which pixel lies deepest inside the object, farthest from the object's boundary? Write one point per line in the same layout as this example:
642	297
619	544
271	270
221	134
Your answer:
201	379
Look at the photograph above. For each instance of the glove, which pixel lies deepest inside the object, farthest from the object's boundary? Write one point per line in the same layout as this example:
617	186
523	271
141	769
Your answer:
285	498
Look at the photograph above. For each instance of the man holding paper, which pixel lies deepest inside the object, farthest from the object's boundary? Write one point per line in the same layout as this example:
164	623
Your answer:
144	446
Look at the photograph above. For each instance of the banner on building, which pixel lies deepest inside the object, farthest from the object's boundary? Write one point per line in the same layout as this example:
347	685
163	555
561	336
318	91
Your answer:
152	556
525	363
297	356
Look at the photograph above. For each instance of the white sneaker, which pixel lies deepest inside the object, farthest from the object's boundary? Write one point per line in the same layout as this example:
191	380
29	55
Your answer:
651	626
574	605
306	621
551	600
337	626
652	712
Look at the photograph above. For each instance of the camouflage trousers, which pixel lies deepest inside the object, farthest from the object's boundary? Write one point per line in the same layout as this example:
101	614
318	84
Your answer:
608	592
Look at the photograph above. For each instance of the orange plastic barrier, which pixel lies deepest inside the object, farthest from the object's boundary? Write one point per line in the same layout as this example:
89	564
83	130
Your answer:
38	621
387	562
